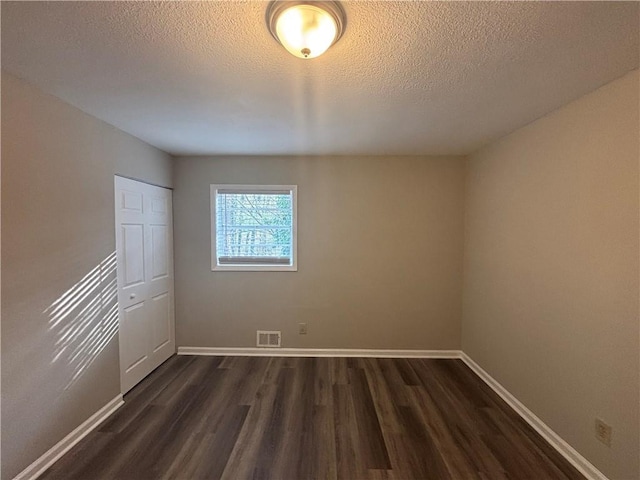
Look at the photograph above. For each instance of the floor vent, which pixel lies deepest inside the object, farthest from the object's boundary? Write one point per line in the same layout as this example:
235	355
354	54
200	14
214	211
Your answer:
267	338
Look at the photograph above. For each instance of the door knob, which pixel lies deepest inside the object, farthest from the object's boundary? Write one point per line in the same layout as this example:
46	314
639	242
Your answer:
132	296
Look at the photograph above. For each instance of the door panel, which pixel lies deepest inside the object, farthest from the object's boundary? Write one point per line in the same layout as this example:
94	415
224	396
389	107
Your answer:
134	327
160	252
144	247
161	321
159	205
131	201
133	254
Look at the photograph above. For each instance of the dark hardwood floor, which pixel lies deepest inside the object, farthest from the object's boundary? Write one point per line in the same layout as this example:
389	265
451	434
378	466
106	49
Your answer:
312	418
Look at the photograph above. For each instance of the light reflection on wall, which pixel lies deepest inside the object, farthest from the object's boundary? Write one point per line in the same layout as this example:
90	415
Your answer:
85	318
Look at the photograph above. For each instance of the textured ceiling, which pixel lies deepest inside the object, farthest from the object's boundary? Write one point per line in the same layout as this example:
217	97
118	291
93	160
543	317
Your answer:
406	77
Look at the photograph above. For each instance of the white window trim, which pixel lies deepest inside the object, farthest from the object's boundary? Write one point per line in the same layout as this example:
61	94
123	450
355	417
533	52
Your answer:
254	268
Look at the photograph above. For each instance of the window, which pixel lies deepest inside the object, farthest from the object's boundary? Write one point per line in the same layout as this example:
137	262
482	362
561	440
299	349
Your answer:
253	227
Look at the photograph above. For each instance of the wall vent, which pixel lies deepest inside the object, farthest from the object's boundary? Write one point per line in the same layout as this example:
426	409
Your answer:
267	338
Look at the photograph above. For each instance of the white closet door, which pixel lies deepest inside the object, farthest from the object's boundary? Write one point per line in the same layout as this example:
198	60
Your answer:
144	249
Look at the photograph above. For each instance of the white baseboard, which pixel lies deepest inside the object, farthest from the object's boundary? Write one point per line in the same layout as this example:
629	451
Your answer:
317	352
38	467
567	451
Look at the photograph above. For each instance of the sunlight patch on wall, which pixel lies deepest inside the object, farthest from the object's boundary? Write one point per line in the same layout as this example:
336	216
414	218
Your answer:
85	318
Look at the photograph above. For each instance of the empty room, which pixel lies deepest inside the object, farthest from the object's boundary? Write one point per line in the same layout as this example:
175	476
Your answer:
300	240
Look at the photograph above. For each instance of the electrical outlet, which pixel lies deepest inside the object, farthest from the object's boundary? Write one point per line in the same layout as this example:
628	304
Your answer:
302	328
603	432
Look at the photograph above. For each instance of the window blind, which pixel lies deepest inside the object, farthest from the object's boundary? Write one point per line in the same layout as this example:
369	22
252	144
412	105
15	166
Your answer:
254	228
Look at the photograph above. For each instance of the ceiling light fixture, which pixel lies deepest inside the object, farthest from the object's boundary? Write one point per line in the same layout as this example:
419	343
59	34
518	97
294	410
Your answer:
306	28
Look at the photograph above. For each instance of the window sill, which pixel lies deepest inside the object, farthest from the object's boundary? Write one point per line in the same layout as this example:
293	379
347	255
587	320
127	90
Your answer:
254	268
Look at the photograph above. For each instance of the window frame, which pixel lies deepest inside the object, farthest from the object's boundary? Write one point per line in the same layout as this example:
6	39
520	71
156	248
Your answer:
293	267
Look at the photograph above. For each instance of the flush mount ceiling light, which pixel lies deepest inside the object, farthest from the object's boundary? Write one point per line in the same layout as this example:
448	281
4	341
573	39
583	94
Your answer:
306	29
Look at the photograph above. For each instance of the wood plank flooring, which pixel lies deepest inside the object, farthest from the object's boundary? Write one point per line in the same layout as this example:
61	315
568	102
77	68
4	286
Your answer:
237	418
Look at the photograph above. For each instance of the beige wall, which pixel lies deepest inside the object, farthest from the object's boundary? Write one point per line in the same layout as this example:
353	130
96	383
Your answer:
551	270
58	224
379	255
